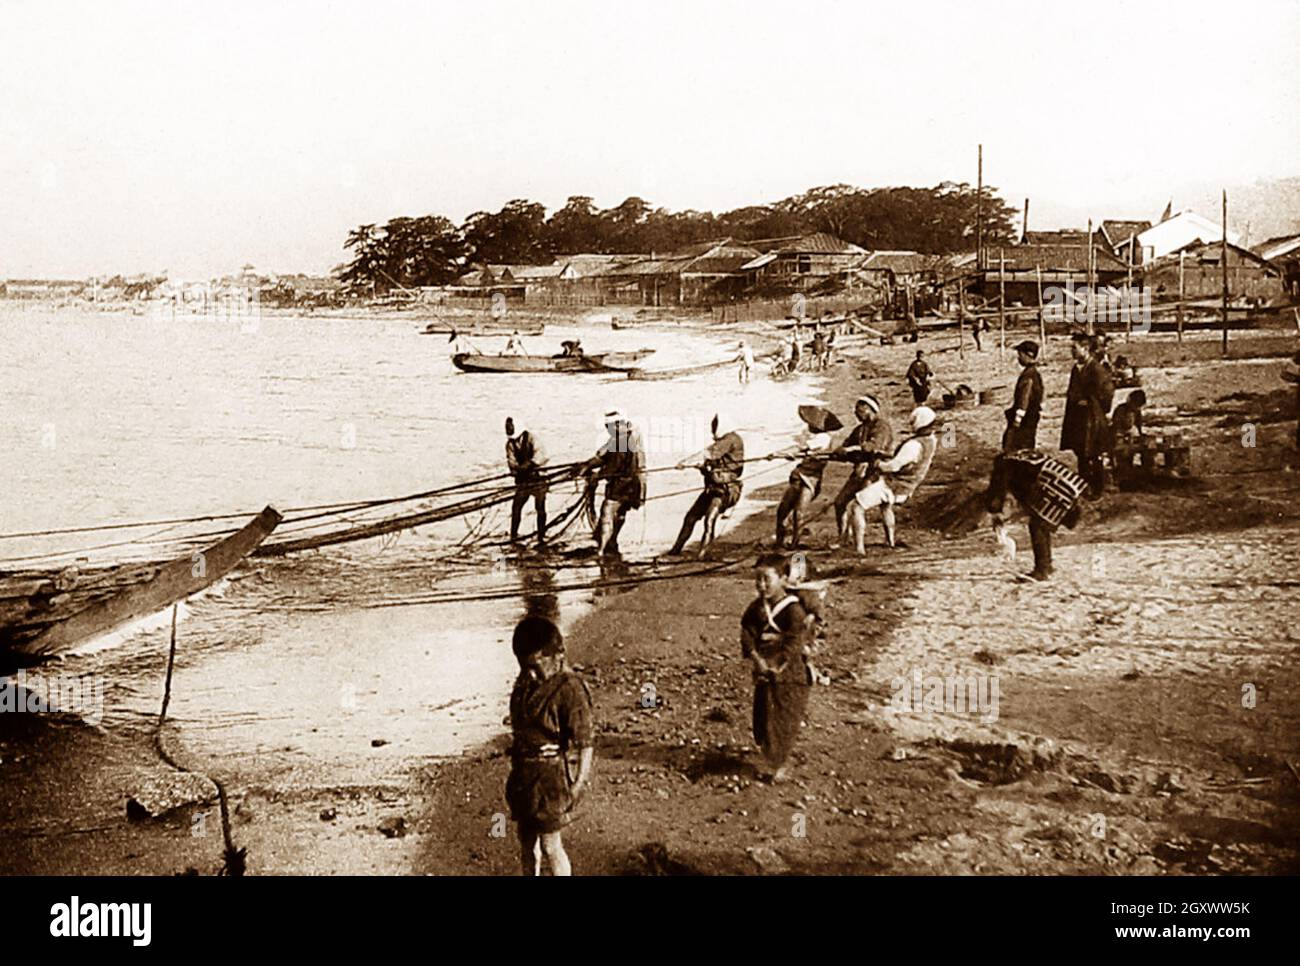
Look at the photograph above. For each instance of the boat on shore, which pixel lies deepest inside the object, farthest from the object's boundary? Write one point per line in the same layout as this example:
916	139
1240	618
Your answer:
483	329
598	362
42	615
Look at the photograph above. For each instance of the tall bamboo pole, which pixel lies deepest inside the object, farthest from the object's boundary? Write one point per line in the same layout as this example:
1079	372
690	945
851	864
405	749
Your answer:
1042	322
1224	250
1002	305
1091	301
1128	295
1182	290
979	211
961	313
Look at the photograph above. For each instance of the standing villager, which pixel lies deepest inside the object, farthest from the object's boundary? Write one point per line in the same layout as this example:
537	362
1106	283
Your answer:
796	348
620	462
1047	490
723	462
773	632
525	459
1085	430
746	360
515	345
819	348
1026	403
813	446
552	723
897	479
918	378
868	442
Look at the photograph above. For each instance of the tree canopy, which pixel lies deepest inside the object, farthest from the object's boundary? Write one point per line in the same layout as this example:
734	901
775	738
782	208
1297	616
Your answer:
432	250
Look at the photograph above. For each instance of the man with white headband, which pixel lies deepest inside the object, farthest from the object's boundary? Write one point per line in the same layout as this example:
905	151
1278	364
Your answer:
869	442
620	462
898	478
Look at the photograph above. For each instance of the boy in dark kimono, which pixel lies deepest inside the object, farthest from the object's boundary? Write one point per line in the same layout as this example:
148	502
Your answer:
551	716
773	631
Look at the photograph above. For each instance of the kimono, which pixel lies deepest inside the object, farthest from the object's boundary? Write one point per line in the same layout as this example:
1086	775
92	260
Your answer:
778	632
622	466
551	718
1085	429
722	469
1028	401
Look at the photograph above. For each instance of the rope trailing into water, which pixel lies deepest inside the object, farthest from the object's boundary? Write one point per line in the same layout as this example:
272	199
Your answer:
235	860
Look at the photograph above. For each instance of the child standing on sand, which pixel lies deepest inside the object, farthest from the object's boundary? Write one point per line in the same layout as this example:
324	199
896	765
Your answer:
551	716
773	634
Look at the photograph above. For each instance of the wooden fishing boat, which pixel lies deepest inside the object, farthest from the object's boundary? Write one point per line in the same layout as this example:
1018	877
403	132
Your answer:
475	362
660	374
52	613
483	329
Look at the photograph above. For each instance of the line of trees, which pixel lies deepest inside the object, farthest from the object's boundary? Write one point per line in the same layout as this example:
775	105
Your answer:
432	250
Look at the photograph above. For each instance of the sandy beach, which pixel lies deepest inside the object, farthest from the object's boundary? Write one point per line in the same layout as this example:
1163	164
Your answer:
1146	719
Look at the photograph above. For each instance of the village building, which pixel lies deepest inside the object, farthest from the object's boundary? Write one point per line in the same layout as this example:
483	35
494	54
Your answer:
697	275
800	262
1177	232
1284	252
1200	265
1120	235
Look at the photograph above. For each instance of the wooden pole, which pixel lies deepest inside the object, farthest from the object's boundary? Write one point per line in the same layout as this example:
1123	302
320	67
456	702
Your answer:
1128	295
961	315
1224	258
1002	305
1042	322
1024	227
979	212
1091	301
1182	289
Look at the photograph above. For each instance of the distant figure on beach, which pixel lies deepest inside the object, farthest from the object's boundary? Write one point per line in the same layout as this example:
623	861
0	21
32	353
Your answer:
773	637
1085	430
918	378
813	445
1026	402
515	345
722	462
897	478
552	721
746	360
570	349
796	348
869	442
1046	489
620	462
977	331
525	459
819	348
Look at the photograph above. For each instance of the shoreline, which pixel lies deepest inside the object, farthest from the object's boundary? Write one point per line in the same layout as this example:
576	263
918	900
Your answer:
1102	730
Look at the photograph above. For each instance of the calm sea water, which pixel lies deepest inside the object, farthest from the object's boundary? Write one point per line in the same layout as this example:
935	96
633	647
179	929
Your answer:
299	664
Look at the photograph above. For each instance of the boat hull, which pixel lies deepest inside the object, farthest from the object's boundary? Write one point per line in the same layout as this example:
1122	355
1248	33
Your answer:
164	585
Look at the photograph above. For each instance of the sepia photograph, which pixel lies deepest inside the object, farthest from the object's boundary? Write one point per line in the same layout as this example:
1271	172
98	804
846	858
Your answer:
840	440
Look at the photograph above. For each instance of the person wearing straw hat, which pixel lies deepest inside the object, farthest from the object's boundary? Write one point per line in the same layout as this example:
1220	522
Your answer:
813	445
1026	403
870	441
898	478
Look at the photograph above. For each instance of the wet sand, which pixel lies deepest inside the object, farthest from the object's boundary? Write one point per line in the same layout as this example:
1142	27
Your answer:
1122	743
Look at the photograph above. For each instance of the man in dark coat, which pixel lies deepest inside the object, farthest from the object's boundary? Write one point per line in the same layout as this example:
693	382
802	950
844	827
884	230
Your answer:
1026	403
1085	430
918	378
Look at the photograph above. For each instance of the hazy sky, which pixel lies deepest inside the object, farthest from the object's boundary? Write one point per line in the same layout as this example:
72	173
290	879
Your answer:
195	137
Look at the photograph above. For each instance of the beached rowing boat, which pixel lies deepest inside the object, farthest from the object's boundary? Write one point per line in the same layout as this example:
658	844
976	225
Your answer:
55	613
475	362
660	374
484	329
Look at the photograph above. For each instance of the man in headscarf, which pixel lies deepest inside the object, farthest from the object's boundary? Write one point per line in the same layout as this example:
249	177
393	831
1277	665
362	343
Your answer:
1085	429
722	463
552	722
869	442
897	478
525	459
620	462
